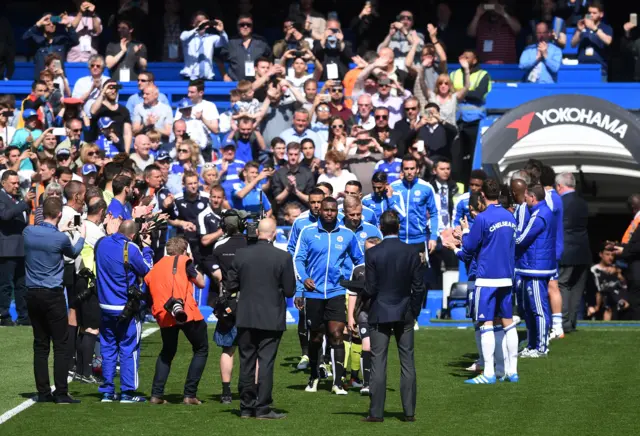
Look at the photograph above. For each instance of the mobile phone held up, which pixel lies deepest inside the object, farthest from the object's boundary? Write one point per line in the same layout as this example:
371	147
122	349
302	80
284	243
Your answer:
76	220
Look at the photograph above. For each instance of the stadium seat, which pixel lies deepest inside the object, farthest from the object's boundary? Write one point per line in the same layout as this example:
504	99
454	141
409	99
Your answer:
457	301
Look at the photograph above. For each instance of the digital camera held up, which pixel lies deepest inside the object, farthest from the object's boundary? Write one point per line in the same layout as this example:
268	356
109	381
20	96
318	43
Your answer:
175	306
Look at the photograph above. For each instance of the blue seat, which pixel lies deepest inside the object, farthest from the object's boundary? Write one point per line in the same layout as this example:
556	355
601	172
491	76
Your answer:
568	50
457	301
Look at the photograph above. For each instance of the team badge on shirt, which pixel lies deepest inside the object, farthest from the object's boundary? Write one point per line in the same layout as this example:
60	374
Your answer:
200	206
363	235
417	193
340	238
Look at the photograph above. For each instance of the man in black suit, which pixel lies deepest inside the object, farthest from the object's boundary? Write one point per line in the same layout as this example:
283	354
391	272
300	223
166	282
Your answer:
14	216
576	258
394	283
264	277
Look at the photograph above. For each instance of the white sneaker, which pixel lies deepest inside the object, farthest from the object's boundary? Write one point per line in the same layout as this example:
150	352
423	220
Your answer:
556	334
525	352
416	327
364	390
338	390
312	386
475	367
304	363
533	354
516	319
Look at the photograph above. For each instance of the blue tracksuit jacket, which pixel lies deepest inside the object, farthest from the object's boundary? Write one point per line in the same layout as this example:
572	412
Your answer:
462	210
379	204
111	281
321	255
367	214
554	201
418	199
536	244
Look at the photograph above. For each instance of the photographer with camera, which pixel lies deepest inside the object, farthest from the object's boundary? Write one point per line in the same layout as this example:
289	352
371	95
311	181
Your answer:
223	303
262	309
120	264
170	284
198	45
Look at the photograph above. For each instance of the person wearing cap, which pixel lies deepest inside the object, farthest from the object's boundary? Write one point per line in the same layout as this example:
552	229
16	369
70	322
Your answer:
64	158
89	174
142	157
229	168
163	161
107	106
108	139
383	98
25	137
195	127
151	114
390	164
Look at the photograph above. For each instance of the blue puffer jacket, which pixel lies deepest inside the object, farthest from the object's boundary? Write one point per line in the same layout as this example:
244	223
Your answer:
536	244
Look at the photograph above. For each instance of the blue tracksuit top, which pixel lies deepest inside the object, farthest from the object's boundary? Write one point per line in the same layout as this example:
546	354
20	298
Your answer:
321	255
462	210
379	204
536	244
303	220
368	214
554	201
521	214
418	199
492	241
111	281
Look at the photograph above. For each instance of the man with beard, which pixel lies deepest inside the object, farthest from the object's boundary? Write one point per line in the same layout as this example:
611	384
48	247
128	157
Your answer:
106	105
120	206
126	58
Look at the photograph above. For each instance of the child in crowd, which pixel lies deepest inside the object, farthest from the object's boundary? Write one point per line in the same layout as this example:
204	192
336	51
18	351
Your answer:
226	121
108	140
248	105
156	140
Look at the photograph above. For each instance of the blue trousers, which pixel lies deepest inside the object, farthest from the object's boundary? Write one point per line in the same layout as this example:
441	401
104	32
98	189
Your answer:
119	341
537	311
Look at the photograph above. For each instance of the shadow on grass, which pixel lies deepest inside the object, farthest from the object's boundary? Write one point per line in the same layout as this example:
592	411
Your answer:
28	395
387	415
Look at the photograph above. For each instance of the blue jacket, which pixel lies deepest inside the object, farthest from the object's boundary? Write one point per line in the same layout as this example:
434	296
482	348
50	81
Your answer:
417	199
112	284
470	261
321	255
554	201
379	204
492	240
368	214
536	245
544	70
462	210
364	231
303	220
521	214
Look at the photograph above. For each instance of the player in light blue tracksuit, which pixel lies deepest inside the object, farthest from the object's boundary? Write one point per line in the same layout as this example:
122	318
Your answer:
492	241
536	264
382	198
120	340
417	200
321	252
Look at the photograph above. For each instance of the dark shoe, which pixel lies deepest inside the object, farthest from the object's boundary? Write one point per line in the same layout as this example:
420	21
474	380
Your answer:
372	419
272	415
245	414
191	401
65	399
156	400
226	398
409	419
45	398
7	322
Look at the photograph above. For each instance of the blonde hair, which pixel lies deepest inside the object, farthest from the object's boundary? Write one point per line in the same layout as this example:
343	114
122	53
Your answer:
195	152
176	246
86	148
442	78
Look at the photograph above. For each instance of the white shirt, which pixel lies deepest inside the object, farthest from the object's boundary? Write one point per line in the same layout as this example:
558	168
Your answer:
298	82
198	53
338	183
7	134
82	86
200	130
93	233
141	163
67	216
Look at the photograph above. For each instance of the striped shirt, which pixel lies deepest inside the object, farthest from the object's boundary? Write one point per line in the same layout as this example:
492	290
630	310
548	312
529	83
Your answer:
496	42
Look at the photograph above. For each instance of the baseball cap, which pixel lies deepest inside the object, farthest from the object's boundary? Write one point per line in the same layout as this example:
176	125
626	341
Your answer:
185	103
28	113
384	81
228	143
104	122
163	155
63	152
88	169
390	145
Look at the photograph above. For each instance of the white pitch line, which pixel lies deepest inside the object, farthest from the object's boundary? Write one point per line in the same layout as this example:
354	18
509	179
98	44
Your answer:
31	401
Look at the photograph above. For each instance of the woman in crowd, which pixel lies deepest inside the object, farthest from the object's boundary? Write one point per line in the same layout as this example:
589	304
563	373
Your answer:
52	190
337	136
188	159
89	154
210	176
444	96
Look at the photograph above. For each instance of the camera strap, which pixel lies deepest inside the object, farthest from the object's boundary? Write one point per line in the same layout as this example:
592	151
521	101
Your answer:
125	256
173	273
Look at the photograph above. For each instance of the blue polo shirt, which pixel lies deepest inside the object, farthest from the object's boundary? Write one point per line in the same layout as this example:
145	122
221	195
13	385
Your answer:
44	248
251	201
290	135
591	49
118	210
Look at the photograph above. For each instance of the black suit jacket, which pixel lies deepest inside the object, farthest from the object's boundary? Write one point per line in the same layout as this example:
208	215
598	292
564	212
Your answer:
12	223
576	237
264	276
394	281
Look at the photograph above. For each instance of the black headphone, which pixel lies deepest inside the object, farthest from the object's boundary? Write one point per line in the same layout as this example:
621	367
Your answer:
233	213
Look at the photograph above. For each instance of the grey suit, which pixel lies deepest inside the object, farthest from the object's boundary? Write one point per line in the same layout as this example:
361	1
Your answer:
394	282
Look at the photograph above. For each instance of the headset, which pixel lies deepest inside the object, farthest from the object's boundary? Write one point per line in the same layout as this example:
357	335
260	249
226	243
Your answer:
240	216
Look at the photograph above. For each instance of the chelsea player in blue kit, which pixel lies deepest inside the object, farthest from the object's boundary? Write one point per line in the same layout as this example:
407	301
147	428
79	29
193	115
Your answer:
491	240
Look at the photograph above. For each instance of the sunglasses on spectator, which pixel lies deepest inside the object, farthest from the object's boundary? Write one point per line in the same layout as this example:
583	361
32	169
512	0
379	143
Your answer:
412	108
183	150
383	85
405	17
245	24
144	80
336	89
96	65
322	109
381	117
92	153
337	126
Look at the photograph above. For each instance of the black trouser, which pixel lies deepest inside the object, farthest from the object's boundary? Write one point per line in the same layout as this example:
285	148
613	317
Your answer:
196	333
12	281
572	282
260	345
48	312
463	150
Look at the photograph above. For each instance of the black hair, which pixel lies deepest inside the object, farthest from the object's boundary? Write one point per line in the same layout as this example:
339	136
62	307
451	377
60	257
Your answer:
326	185
379	177
491	189
329	200
119	183
389	223
354	183
547	176
316	191
63	170
198	83
478	175
474	201
7	174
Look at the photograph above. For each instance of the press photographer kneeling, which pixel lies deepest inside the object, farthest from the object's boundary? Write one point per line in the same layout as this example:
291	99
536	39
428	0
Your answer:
170	284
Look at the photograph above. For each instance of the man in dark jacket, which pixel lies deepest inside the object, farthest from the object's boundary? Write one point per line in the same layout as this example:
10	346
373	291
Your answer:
14	213
576	258
394	283
243	50
261	316
51	37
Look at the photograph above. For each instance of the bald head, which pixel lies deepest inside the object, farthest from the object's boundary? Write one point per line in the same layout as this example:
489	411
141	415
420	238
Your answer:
519	188
267	229
634	203
128	228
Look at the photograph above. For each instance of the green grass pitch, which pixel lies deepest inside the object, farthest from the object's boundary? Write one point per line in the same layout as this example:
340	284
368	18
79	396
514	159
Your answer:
588	385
